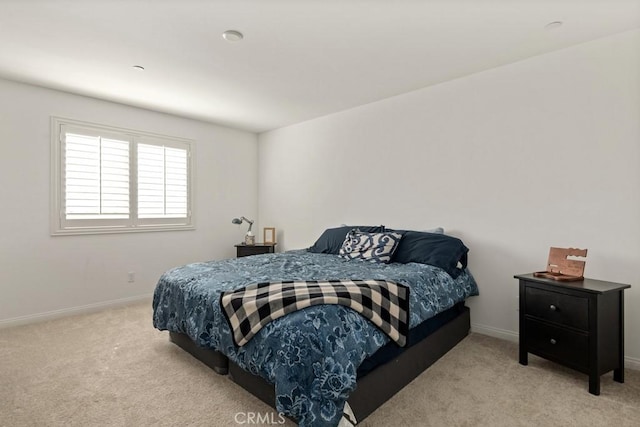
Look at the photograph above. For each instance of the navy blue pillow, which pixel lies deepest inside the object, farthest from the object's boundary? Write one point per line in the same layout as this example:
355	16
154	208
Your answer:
434	249
331	240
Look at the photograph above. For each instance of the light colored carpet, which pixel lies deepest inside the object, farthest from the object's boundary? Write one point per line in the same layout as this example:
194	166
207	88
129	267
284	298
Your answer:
113	369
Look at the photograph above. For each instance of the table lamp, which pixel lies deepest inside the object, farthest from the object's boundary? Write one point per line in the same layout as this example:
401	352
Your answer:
249	238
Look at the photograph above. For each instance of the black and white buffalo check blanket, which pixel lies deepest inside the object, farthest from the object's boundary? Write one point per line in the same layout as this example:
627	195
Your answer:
384	303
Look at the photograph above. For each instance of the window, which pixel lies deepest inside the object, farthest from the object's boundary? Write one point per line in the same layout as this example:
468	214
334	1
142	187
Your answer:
108	180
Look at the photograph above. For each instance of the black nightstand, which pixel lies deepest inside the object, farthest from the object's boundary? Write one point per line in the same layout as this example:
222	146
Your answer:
257	249
577	324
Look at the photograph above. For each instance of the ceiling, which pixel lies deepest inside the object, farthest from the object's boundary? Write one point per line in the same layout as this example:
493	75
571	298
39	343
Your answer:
300	59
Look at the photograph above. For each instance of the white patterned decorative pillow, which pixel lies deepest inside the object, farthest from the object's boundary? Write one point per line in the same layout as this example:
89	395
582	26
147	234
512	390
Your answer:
374	247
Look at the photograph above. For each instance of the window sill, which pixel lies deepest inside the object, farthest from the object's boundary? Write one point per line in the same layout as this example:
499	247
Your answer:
119	230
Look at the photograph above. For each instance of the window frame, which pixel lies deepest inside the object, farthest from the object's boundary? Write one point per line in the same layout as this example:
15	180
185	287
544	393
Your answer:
62	226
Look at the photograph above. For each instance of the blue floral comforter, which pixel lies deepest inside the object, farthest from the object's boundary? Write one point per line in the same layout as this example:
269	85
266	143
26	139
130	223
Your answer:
312	355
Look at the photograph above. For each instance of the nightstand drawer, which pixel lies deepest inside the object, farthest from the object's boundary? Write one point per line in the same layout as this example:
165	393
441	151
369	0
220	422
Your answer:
571	348
243	250
559	308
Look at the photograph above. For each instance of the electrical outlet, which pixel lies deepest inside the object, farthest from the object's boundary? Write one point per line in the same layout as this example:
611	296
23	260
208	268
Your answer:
131	277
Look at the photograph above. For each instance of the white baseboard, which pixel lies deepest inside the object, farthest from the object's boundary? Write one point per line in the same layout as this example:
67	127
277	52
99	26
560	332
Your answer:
494	332
83	309
629	362
632	363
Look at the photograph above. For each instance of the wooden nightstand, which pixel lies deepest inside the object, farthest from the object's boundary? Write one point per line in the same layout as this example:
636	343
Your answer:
577	324
257	249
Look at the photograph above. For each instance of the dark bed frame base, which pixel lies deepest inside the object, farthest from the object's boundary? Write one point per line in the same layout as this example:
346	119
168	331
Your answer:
212	358
373	389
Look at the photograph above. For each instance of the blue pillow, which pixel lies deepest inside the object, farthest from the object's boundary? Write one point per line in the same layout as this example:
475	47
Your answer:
331	240
434	249
374	247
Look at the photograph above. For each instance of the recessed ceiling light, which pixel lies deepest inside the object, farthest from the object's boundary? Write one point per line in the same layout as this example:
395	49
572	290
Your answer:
232	36
553	25
138	67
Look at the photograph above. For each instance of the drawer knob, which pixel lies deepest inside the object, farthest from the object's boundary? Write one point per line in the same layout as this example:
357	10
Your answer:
552	341
553	307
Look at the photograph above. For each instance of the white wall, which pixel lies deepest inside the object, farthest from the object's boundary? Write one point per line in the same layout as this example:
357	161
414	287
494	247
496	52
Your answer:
41	274
513	160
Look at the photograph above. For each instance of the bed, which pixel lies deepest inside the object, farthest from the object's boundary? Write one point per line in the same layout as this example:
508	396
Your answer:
323	363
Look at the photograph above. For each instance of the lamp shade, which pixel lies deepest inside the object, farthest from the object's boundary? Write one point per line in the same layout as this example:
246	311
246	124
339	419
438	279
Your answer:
240	220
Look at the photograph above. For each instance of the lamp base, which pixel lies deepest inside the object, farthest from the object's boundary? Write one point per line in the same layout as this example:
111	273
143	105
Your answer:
249	239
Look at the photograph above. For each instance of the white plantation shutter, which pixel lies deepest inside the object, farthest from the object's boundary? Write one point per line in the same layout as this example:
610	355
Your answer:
112	180
162	181
96	177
